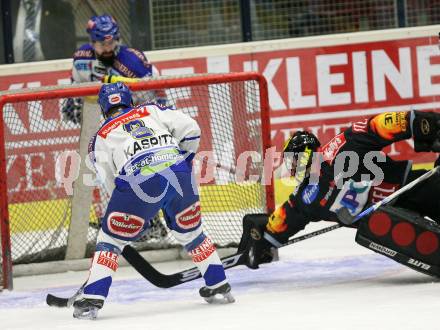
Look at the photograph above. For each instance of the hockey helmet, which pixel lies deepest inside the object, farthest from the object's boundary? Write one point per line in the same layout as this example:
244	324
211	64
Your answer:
301	140
101	28
300	143
113	95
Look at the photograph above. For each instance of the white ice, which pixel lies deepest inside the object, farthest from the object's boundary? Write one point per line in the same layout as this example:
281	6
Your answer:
327	282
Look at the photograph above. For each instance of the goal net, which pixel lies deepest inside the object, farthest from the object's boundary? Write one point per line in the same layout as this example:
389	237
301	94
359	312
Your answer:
43	219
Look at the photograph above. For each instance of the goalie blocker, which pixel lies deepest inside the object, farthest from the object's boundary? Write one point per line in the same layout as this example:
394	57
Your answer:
404	236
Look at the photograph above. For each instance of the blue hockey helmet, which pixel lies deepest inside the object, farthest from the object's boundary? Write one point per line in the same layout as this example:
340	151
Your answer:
103	28
113	95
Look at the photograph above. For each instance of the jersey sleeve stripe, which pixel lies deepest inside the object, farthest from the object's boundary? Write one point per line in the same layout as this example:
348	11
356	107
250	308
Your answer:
190	138
91	150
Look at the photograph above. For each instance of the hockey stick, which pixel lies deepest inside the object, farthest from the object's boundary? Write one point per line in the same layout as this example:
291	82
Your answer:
167	281
161	280
389	198
55	301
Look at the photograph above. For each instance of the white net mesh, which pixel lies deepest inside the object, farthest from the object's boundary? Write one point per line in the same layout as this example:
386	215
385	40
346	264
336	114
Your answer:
229	114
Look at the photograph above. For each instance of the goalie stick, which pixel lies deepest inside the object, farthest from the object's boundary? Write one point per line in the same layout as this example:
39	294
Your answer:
395	194
161	280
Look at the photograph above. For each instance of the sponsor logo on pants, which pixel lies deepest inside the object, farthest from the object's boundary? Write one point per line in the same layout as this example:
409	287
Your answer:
125	225
190	217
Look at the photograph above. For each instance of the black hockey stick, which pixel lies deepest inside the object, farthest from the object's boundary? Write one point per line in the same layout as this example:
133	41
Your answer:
161	280
55	301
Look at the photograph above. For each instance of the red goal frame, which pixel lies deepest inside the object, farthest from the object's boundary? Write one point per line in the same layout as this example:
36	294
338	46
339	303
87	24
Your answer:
93	89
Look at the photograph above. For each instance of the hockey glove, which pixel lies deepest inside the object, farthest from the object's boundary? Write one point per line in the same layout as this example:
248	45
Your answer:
71	110
426	131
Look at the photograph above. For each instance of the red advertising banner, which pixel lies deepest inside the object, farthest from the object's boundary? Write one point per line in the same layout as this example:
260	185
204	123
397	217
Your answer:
325	89
322	89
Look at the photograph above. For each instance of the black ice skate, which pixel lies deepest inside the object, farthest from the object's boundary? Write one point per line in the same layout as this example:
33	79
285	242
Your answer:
87	308
220	295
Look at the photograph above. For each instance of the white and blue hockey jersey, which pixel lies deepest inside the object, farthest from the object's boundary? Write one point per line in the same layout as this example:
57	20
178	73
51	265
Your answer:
145	140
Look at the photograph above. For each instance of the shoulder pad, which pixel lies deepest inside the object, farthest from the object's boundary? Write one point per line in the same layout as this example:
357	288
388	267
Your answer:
160	106
84	52
132	63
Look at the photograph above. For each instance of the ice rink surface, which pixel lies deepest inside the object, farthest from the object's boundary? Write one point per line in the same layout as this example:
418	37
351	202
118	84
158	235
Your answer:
326	282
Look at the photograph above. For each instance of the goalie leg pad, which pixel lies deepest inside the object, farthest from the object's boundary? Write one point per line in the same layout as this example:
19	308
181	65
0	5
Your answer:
404	236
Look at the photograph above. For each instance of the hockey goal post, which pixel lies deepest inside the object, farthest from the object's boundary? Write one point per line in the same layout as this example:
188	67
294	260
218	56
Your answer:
42	221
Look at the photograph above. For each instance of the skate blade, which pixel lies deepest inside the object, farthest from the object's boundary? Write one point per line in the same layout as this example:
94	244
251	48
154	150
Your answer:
218	299
90	315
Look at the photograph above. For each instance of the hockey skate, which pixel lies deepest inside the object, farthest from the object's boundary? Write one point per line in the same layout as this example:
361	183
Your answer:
220	295
87	308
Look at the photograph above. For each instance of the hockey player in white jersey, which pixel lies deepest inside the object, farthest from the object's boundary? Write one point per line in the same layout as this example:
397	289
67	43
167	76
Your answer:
143	154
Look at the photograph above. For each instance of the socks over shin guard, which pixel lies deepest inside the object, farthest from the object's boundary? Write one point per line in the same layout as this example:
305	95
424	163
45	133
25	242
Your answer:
104	265
205	257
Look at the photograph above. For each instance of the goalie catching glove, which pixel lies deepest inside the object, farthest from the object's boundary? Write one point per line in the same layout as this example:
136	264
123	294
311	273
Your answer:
426	131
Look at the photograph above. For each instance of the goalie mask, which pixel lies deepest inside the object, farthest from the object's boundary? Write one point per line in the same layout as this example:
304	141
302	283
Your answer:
114	95
299	149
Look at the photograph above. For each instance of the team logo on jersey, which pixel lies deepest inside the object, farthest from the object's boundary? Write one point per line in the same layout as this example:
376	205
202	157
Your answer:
309	193
190	217
137	129
125	225
114	98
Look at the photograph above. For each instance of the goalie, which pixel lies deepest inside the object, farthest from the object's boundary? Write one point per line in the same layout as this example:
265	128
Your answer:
338	189
105	56
143	154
